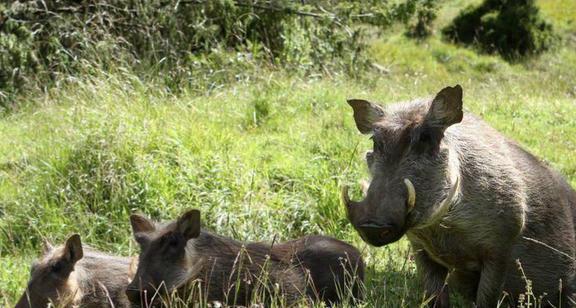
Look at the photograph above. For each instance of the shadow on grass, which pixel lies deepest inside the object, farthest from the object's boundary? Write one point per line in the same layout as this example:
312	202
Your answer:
399	288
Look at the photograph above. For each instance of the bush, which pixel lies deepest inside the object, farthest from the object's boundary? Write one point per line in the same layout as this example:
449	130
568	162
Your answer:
187	43
512	28
43	42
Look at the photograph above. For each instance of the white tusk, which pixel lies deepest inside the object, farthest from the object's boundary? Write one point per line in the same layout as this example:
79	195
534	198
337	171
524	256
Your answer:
411	195
444	206
364	184
451	196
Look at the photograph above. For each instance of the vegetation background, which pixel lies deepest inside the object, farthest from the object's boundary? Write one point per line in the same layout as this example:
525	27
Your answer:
242	112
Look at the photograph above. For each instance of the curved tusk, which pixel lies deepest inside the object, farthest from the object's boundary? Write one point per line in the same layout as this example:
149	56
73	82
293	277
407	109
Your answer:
452	195
444	207
344	196
346	200
411	195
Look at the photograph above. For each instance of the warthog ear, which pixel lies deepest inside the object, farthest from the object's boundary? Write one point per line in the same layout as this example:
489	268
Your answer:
446	108
365	114
189	224
73	249
141	224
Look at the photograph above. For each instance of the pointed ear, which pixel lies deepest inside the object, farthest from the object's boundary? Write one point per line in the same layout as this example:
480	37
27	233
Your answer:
446	108
141	224
189	224
365	114
73	249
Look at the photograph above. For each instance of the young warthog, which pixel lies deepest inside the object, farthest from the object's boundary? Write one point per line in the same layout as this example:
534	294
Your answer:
470	200
179	256
70	276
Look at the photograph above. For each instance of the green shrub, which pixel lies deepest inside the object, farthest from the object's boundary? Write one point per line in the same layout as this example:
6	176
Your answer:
184	44
512	28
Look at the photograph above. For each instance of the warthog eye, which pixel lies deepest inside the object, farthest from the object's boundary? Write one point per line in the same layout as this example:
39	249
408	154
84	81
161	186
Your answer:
377	146
56	267
172	241
425	137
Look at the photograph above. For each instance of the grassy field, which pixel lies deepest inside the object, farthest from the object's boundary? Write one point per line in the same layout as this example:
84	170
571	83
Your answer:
260	159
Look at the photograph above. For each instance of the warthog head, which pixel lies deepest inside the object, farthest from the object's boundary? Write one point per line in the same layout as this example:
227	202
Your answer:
52	276
414	173
165	262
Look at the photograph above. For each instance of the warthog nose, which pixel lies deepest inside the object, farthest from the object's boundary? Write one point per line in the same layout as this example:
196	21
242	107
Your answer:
375	231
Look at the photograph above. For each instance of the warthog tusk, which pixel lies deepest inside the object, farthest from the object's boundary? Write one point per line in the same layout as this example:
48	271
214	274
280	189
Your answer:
364	184
347	202
411	195
344	196
443	208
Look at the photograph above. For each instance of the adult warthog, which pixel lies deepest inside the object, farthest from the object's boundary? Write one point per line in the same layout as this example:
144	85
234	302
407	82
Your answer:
480	212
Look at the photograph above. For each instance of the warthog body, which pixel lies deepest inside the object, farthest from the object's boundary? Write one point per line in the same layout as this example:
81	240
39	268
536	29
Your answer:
471	201
72	276
178	257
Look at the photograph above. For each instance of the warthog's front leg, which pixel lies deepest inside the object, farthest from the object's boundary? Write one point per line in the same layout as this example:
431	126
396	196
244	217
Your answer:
465	283
433	277
491	282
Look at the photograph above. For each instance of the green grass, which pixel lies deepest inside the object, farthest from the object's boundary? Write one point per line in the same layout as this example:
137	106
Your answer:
260	159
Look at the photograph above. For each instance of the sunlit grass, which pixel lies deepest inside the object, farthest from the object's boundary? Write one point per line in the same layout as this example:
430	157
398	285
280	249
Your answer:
260	159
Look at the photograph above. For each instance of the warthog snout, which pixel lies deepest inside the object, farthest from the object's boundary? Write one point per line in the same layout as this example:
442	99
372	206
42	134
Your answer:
377	234
379	230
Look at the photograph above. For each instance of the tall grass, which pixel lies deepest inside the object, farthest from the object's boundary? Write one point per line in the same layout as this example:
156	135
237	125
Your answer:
262	158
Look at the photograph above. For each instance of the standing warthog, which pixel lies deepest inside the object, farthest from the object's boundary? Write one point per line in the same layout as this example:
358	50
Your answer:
471	201
72	276
179	257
